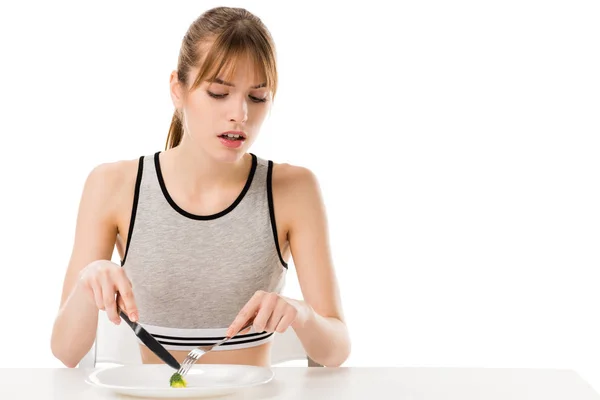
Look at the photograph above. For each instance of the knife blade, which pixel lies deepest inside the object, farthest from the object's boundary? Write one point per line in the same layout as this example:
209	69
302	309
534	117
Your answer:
151	342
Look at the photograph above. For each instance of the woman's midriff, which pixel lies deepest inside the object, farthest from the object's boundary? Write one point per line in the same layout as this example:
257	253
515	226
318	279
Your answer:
259	356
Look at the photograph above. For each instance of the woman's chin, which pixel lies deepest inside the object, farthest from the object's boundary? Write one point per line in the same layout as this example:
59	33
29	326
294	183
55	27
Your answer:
228	155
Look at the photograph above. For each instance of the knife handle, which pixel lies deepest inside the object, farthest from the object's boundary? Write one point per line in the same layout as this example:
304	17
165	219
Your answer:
125	318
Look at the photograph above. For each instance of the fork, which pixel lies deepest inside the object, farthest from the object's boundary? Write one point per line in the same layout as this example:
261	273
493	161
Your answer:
198	352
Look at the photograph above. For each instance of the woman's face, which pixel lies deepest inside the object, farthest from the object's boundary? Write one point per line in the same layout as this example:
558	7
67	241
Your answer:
223	118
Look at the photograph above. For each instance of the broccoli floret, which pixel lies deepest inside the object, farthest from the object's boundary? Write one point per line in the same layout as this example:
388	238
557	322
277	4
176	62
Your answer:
177	381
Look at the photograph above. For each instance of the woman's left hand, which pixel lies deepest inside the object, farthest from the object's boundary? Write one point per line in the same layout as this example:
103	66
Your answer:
271	313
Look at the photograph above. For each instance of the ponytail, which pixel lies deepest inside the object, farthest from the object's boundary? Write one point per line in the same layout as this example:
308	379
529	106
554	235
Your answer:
175	132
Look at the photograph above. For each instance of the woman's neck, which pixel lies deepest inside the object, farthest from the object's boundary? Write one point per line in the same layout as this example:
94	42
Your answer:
199	172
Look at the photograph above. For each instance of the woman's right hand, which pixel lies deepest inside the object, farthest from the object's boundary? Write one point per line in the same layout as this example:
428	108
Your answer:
108	286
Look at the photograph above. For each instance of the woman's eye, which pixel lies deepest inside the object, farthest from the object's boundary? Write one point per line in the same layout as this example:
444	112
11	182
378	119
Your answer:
223	95
216	95
257	99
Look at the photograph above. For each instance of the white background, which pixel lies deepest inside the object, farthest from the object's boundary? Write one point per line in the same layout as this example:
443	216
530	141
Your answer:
456	143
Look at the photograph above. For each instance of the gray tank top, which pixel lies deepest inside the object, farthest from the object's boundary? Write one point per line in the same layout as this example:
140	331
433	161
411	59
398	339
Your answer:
192	274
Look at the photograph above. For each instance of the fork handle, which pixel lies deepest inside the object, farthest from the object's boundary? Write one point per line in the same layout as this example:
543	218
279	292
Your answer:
249	324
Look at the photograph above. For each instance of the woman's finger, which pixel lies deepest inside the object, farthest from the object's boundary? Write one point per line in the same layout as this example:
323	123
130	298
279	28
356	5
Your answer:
246	314
287	320
267	306
109	297
97	291
276	316
126	295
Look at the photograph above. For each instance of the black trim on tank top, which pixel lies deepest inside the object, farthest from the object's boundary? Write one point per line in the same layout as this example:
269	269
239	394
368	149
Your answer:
181	211
232	342
136	196
245	336
272	211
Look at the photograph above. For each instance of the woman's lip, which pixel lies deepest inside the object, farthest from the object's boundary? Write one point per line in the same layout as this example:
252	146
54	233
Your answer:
232	144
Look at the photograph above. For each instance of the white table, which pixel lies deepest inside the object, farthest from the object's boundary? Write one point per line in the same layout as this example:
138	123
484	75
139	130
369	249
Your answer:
340	383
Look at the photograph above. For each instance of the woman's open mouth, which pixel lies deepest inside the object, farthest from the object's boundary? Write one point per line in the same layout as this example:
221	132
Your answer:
230	136
232	139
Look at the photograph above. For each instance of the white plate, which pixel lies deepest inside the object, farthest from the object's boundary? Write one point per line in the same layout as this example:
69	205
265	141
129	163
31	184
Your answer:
203	380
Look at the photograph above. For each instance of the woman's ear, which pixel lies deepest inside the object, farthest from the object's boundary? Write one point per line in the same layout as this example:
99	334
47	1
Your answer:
177	91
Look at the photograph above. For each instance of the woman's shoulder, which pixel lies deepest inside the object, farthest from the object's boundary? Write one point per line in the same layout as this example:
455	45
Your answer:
112	182
114	174
296	183
285	173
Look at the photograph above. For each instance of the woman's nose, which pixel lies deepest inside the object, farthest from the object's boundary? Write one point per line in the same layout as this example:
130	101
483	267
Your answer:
238	111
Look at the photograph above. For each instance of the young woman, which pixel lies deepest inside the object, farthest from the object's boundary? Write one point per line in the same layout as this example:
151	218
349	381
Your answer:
205	228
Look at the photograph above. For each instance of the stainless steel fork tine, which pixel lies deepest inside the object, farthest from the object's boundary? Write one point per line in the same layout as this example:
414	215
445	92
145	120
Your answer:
190	360
183	368
194	354
188	369
184	364
189	365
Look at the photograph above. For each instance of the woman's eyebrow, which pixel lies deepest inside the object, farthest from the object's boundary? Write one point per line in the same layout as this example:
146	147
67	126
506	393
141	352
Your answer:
222	82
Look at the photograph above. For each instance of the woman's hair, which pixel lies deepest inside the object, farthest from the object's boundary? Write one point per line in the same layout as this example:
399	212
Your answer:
216	41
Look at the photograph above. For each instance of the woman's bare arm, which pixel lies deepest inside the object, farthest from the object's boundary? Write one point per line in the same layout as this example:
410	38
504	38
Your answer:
75	326
324	334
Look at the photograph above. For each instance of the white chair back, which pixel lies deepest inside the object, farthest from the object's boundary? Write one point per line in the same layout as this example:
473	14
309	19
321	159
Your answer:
117	344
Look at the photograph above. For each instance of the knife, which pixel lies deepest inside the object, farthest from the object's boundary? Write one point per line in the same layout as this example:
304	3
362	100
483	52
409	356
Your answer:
150	342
